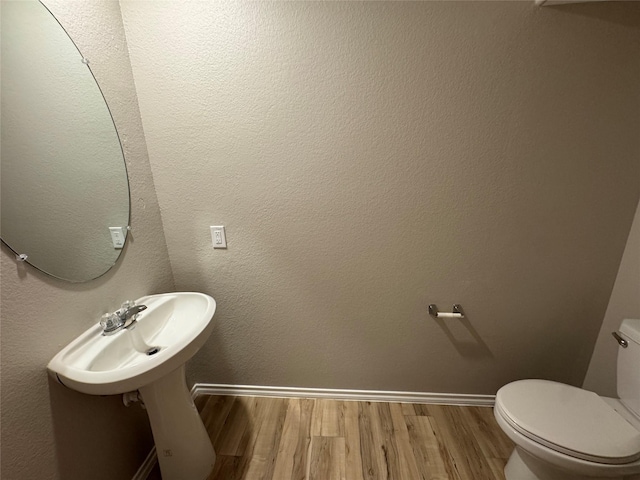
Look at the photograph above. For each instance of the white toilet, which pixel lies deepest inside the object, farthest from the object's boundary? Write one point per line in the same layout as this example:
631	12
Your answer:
566	433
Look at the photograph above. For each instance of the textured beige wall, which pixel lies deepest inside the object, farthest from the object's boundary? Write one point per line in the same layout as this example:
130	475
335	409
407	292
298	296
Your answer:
370	158
624	303
48	431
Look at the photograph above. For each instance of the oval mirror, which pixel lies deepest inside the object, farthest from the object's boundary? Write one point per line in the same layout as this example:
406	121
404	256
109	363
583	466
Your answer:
64	188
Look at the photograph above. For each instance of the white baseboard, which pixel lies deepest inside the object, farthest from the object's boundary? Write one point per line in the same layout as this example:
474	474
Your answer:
335	394
146	467
338	394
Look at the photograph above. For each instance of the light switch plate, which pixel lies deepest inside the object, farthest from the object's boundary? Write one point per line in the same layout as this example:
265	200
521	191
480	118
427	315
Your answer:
117	237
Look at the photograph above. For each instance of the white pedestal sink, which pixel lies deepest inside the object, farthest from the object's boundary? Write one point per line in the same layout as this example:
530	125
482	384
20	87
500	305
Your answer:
150	358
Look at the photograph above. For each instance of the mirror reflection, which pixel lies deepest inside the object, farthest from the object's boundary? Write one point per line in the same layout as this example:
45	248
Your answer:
64	185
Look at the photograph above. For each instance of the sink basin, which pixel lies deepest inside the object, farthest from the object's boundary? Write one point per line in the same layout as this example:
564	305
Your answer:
168	333
150	357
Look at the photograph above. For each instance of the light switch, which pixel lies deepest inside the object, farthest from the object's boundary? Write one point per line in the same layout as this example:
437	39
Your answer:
117	237
218	237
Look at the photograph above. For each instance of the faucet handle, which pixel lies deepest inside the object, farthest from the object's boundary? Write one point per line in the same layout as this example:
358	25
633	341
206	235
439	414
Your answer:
127	305
110	322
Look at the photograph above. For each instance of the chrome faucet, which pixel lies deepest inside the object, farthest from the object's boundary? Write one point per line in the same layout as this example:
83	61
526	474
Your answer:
123	318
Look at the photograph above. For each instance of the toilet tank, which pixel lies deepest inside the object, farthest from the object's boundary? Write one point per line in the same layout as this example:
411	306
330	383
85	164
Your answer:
629	366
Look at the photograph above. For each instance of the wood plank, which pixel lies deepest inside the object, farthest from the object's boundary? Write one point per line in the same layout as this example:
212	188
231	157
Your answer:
327	459
214	412
406	458
432	459
301	455
353	458
256	408
497	467
316	418
226	468
421	409
201	400
389	446
373	463
269	425
283	468
493	442
228	443
332	419
407	409
456	437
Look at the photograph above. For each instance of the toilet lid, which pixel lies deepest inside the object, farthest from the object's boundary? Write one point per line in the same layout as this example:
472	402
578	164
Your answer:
569	420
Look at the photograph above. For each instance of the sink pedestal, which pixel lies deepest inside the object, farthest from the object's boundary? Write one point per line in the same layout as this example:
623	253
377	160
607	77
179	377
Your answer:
182	443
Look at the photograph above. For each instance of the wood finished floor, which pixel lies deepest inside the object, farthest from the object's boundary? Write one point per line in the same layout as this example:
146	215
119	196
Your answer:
319	439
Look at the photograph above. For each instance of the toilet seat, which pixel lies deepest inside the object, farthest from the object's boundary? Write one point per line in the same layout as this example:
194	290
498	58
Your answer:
568	420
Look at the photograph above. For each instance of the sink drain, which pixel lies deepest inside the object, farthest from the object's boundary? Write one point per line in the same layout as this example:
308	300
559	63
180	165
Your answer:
152	351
